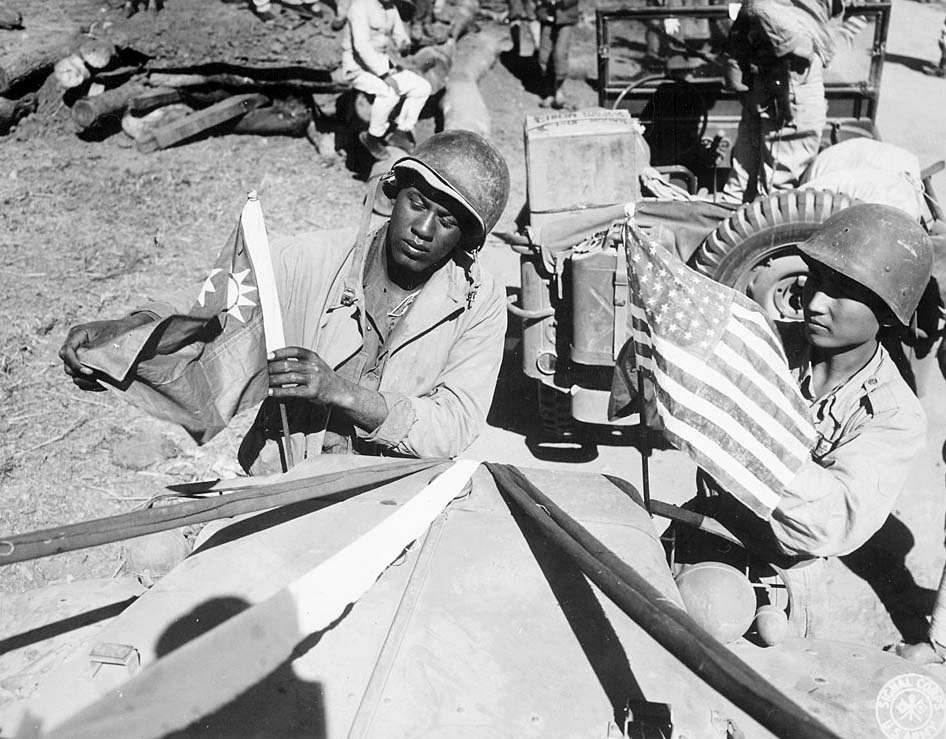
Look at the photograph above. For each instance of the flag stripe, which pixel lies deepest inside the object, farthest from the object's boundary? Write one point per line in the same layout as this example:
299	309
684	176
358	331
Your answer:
782	414
767	345
721	418
710	450
788	413
731	392
734	417
732	446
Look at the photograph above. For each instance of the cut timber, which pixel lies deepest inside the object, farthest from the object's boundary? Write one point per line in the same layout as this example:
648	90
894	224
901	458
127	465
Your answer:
233	76
18	68
158	97
464	17
71	72
89	112
433	63
152	99
97	53
274	121
140	127
10	19
462	104
200	121
13	110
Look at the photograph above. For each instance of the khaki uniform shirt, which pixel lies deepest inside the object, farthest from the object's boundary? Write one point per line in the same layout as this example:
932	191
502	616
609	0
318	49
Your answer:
871	429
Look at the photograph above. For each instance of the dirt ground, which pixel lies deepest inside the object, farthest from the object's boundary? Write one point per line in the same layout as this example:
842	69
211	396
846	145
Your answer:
89	228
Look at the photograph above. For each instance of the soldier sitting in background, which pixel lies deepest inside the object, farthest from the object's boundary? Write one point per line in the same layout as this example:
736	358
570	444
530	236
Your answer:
371	48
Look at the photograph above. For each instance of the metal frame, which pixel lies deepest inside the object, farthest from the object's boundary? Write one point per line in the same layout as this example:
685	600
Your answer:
864	95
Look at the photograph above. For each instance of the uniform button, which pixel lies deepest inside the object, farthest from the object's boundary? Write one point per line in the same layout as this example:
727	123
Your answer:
369	328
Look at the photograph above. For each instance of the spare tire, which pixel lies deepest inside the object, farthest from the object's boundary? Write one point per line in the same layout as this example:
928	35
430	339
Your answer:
754	250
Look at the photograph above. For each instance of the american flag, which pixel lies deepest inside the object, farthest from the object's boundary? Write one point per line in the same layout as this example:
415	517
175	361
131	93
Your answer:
715	375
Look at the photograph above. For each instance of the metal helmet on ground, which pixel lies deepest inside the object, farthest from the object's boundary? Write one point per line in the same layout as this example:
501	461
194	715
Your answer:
466	168
718	597
880	247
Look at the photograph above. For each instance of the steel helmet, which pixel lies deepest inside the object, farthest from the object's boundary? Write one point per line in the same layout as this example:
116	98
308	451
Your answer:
718	597
880	247
464	166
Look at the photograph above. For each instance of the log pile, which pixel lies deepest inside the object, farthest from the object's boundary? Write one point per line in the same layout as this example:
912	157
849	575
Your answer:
162	84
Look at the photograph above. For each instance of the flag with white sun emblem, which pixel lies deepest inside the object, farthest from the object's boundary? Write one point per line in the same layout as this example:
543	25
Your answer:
716	381
218	364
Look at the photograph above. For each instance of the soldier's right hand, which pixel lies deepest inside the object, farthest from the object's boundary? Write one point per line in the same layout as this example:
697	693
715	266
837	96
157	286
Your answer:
86	336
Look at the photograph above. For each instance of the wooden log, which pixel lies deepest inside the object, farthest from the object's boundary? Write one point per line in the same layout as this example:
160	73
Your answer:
97	53
433	63
87	112
464	18
200	121
240	81
154	98
273	121
140	127
12	111
10	18
462	103
71	72
18	68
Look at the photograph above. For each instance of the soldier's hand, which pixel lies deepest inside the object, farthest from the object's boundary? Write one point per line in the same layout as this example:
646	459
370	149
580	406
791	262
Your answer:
86	336
295	372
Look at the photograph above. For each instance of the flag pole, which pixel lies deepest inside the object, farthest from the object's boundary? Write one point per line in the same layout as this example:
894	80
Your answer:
644	443
642	429
287	461
257	243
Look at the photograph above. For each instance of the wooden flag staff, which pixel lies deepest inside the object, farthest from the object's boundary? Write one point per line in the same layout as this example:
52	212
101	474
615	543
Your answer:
257	243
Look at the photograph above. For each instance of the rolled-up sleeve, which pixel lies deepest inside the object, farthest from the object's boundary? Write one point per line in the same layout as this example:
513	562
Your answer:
445	421
831	509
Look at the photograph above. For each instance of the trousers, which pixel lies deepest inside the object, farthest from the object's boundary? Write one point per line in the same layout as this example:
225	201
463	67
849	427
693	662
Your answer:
414	90
769	155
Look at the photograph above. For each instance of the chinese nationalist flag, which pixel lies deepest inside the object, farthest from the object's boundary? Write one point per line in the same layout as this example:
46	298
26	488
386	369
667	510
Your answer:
715	378
218	366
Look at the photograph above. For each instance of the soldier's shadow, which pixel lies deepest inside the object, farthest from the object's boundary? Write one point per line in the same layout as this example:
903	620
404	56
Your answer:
881	563
279	705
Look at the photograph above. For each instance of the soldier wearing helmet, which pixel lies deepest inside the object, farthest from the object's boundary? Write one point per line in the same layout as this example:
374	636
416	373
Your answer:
868	267
395	334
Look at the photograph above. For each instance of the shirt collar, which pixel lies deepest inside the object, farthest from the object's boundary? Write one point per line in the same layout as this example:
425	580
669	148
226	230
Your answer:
838	400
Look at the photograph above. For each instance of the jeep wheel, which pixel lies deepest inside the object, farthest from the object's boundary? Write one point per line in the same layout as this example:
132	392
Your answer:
754	250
